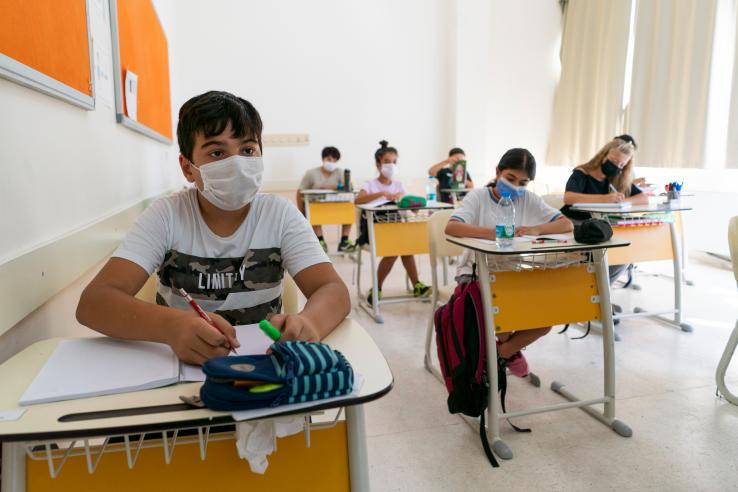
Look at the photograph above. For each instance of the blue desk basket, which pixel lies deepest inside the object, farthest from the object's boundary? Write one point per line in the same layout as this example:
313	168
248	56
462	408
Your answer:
305	371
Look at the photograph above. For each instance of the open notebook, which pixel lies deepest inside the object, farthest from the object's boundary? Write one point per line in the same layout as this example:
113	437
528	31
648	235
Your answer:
86	367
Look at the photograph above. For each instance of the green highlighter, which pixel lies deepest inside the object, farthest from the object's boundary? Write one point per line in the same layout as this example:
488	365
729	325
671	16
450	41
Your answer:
270	330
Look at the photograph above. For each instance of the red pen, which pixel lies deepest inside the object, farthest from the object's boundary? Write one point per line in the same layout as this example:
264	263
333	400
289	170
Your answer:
207	318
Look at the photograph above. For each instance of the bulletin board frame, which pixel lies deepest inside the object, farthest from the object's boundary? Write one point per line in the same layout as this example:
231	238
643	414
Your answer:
120	114
26	76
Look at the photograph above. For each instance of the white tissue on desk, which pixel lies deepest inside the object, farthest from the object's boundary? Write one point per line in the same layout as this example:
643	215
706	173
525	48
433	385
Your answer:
257	440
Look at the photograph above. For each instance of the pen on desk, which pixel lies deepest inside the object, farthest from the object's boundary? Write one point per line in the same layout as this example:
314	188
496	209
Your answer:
207	318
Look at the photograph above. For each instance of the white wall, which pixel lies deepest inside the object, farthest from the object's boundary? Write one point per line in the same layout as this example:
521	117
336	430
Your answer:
64	167
348	73
507	72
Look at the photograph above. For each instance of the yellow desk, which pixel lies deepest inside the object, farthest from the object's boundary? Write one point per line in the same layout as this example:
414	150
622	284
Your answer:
650	243
327	207
579	291
393	232
149	440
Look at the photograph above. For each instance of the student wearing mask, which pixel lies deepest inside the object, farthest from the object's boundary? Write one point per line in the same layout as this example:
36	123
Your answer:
326	177
221	242
385	186
443	173
477	217
607	177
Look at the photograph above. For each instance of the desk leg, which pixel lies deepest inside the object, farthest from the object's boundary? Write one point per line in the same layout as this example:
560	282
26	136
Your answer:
678	265
14	468
372	310
608	347
358	460
500	448
307	208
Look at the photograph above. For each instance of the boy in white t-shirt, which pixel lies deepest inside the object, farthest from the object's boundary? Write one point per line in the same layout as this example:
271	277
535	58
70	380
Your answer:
220	241
476	217
385	187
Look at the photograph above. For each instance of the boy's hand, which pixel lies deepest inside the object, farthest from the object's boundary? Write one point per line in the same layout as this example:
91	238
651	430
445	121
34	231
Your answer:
295	327
194	340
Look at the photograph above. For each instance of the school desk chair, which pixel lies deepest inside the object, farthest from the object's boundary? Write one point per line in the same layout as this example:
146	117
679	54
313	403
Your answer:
555	200
733	340
289	293
439	249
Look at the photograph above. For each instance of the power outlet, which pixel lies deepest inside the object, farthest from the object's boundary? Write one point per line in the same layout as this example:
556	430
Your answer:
285	139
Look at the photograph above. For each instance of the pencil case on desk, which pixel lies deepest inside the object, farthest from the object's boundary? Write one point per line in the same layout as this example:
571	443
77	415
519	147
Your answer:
295	372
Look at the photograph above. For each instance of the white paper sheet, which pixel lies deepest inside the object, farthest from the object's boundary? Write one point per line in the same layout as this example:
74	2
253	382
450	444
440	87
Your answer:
11	415
97	366
131	95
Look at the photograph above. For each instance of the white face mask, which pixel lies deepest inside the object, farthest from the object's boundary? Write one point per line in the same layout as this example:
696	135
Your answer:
389	170
231	183
329	166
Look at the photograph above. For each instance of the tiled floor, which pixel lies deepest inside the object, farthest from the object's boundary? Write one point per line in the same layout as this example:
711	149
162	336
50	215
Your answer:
684	437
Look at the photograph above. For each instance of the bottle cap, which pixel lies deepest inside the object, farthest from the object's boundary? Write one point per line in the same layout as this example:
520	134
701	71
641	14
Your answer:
505	194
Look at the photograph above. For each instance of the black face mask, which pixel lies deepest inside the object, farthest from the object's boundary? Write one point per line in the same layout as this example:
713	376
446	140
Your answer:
610	169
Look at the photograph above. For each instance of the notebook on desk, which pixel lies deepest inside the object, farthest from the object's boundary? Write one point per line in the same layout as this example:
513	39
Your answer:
614	206
87	367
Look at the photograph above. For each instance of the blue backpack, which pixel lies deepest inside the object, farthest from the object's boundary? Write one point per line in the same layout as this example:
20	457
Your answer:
295	372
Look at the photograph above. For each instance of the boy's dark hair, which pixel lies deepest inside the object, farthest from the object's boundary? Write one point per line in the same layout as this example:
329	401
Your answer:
331	152
456	150
520	159
384	149
210	114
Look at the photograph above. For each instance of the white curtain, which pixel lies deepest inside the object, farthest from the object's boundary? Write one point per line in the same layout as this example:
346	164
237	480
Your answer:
588	102
671	78
731	159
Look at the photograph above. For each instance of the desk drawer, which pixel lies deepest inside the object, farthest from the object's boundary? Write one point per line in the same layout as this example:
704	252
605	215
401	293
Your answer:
401	238
648	243
539	298
332	213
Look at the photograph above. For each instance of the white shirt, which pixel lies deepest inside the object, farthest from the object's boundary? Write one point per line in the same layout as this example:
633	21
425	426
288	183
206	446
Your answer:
239	276
479	208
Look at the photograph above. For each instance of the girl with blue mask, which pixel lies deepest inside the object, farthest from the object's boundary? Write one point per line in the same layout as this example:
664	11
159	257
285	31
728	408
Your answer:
477	217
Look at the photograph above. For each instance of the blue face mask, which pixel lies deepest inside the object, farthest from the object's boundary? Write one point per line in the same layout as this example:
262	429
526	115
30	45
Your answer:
504	186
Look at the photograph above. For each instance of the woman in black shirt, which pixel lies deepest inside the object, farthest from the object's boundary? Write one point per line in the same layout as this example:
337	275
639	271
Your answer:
606	178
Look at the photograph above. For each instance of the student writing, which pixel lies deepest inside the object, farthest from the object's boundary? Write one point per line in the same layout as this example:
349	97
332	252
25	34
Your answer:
477	217
226	245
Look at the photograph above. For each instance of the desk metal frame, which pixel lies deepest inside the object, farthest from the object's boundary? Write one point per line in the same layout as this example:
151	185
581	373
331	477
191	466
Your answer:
170	419
599	259
311	196
371	221
678	262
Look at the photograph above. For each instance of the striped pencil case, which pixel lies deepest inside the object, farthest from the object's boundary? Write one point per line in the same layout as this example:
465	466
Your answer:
295	372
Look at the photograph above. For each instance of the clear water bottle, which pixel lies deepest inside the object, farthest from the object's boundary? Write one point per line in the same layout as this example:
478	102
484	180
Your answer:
430	189
505	229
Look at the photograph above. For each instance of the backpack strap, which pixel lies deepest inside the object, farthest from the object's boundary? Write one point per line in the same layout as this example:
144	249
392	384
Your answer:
502	388
589	327
485	442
